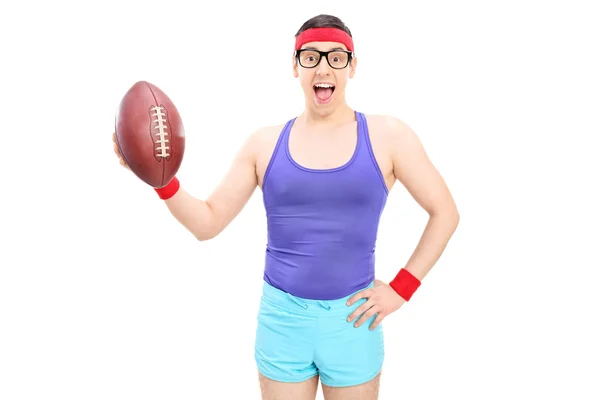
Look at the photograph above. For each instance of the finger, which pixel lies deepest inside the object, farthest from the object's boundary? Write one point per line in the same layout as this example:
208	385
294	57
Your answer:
377	321
114	137
366	316
360	295
116	149
360	310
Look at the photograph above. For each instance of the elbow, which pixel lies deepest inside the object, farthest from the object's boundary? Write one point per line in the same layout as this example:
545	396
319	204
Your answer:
451	215
202	235
210	228
454	216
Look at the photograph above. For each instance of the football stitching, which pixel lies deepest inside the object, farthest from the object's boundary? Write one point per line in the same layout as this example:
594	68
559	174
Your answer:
160	132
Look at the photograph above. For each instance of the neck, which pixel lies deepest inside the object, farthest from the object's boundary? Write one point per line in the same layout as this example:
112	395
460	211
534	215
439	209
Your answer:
314	117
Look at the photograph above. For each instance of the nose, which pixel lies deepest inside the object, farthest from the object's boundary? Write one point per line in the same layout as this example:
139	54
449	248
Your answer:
323	67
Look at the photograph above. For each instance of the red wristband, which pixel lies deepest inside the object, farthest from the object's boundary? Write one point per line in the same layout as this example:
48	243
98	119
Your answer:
405	284
166	192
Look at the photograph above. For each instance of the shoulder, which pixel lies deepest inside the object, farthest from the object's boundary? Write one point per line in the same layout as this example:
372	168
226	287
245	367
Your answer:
266	137
393	132
262	141
267	134
389	126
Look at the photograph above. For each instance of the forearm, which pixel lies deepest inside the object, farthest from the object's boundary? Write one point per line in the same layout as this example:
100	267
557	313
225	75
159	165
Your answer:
194	214
433	242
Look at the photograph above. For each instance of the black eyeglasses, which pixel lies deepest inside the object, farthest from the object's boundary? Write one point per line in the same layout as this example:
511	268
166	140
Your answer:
337	59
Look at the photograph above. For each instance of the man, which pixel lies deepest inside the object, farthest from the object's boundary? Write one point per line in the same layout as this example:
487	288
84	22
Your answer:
325	177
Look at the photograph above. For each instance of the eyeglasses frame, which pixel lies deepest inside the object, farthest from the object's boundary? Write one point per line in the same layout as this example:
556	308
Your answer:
326	55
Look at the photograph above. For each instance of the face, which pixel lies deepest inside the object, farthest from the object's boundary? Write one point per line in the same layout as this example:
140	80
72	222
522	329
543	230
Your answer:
324	87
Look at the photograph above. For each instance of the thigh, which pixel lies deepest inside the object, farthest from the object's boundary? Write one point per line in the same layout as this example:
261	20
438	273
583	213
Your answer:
365	391
274	390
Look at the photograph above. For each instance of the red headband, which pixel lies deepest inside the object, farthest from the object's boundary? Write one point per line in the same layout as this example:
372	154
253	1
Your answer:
324	35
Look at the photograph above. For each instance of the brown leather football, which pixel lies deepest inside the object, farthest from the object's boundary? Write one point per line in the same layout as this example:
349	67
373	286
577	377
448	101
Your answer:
150	134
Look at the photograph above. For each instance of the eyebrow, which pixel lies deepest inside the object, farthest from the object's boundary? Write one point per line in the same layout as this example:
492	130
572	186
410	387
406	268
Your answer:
333	49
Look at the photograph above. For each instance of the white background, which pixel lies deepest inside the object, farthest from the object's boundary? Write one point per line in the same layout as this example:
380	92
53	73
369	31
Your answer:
103	295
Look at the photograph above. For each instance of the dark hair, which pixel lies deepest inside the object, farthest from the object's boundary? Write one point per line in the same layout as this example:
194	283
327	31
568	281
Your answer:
324	21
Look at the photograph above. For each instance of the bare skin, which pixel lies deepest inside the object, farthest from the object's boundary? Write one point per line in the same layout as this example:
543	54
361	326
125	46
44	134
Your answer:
324	136
307	390
273	390
366	391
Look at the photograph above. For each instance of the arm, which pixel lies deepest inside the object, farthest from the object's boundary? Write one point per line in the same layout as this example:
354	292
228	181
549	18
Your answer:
411	167
205	219
415	171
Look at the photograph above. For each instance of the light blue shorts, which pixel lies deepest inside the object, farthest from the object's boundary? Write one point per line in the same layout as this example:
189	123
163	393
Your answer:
297	339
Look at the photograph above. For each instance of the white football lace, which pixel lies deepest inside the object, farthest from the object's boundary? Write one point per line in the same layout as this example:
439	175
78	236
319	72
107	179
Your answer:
158	118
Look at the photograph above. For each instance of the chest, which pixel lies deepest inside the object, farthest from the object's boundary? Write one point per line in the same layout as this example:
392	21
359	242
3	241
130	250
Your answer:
312	151
354	188
323	150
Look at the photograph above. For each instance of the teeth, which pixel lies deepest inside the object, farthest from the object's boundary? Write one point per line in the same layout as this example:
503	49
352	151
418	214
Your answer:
323	85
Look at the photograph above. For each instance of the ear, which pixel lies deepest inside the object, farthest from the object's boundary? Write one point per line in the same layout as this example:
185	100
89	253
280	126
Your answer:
353	67
294	66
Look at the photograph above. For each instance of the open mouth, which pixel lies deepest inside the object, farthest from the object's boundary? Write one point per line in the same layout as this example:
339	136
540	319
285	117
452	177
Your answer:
324	91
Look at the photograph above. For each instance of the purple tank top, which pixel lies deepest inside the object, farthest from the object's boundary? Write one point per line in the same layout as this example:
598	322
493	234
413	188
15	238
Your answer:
322	224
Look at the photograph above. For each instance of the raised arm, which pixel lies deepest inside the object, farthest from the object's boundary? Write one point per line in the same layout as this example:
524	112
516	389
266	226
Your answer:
205	219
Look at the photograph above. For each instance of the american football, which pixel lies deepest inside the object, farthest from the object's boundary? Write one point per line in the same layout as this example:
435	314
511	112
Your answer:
150	134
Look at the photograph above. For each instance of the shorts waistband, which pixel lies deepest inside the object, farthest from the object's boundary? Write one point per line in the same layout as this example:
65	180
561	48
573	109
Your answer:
293	303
